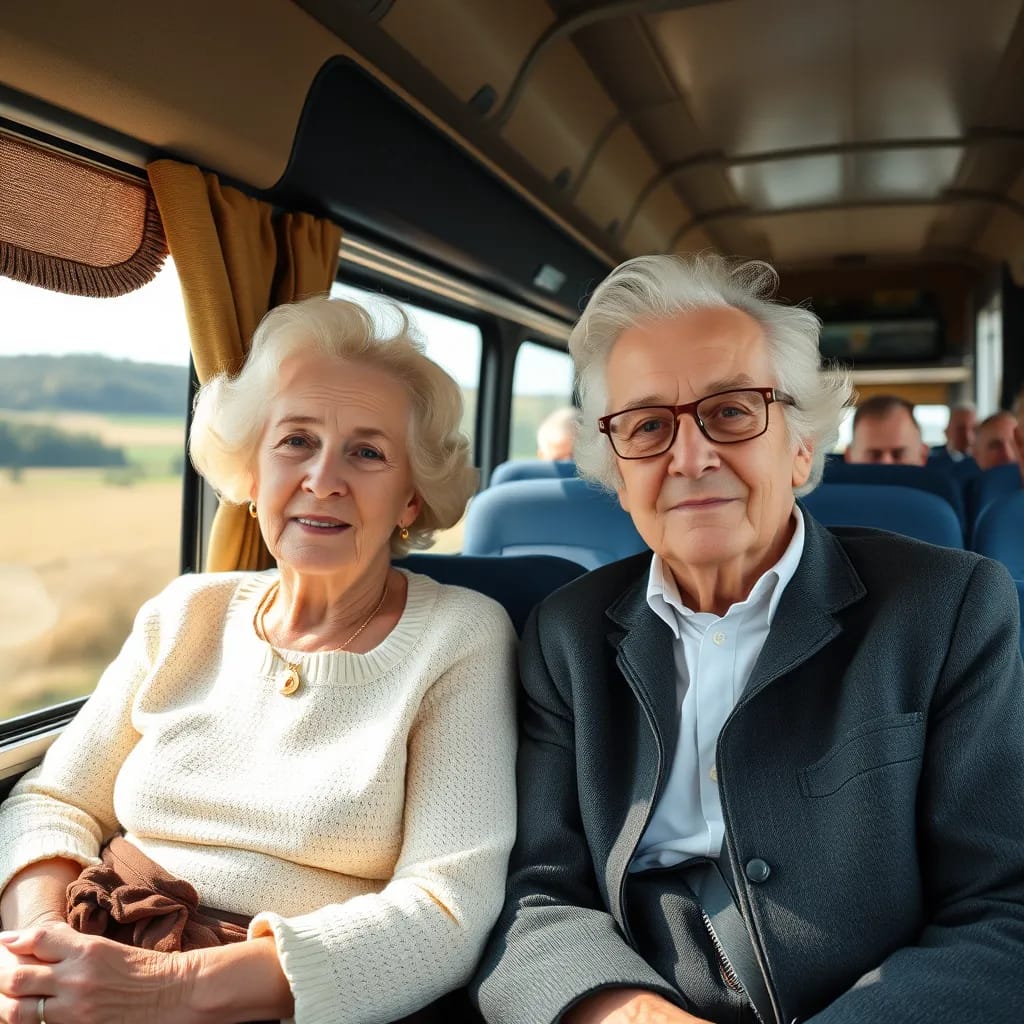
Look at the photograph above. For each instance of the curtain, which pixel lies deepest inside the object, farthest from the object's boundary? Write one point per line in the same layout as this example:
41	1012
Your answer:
235	261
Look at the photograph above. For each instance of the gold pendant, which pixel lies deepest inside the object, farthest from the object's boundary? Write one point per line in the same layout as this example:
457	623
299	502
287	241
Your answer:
290	681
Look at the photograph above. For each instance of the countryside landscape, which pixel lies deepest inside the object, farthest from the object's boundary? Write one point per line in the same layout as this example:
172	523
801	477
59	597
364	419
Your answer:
90	488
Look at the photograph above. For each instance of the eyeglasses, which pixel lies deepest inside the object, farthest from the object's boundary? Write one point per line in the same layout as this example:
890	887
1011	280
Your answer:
726	417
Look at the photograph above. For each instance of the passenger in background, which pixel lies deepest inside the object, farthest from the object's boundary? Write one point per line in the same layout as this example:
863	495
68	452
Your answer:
959	436
886	433
771	766
556	436
324	753
995	443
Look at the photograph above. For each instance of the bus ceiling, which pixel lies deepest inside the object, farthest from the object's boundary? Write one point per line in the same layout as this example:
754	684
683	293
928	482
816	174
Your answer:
532	145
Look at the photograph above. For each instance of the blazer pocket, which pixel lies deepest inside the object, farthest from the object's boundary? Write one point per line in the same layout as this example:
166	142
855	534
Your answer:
891	739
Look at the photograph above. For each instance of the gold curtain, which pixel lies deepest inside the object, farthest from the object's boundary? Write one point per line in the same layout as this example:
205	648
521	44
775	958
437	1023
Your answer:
234	262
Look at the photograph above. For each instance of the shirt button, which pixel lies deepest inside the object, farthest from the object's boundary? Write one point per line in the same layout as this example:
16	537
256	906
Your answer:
719	639
713	774
757	870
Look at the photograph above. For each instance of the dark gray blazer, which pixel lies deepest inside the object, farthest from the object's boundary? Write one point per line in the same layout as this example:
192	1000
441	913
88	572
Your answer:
875	763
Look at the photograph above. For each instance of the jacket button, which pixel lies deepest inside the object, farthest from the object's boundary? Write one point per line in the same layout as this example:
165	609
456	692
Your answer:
758	870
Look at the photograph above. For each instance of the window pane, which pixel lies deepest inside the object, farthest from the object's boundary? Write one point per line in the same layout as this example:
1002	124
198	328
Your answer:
454	344
93	395
542	383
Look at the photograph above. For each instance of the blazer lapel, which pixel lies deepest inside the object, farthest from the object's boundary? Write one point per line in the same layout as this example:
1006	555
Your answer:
644	656
825	582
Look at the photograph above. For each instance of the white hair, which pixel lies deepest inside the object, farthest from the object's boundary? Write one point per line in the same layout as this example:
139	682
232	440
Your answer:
230	412
557	426
660	287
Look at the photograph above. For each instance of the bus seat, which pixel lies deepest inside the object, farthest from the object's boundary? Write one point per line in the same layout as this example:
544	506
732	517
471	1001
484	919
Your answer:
572	519
999	532
986	487
906	510
532	469
921	478
516	584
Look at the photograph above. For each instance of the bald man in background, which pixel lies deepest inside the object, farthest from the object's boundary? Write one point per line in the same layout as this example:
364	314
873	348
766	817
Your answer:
885	433
995	442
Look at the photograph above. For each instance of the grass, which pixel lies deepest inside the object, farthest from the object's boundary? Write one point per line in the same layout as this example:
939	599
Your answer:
78	556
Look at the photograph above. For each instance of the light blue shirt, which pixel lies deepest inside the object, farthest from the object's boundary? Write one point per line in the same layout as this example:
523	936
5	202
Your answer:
714	657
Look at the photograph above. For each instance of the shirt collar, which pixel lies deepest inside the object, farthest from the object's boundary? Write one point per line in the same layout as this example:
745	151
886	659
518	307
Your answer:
665	601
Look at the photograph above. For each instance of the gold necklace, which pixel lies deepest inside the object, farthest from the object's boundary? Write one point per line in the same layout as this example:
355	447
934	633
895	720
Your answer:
290	679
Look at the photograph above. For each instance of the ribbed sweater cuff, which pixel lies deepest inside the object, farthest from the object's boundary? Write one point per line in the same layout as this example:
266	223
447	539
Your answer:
32	845
305	963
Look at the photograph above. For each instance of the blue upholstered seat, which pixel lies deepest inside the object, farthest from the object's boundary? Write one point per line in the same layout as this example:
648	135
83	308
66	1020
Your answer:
571	518
922	478
999	532
905	510
986	487
532	469
517	583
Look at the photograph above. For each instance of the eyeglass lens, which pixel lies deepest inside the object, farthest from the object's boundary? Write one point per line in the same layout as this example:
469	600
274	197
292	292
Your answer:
733	416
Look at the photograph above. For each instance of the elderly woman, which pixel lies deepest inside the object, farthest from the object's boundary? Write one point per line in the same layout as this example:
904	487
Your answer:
324	753
771	772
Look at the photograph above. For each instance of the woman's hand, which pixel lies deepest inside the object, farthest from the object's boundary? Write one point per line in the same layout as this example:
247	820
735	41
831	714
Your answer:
89	980
628	1006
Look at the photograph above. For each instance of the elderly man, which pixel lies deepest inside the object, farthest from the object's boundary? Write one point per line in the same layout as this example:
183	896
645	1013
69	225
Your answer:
995	443
556	435
960	429
770	771
886	433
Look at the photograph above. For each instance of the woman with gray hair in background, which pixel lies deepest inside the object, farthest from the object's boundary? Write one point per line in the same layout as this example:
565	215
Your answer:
322	753
772	772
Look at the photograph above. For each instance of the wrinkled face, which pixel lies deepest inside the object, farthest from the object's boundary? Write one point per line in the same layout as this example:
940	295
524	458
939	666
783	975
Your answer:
701	504
960	429
890	440
332	478
995	443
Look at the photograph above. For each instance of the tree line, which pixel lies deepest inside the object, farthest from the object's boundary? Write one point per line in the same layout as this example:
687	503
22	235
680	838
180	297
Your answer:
79	383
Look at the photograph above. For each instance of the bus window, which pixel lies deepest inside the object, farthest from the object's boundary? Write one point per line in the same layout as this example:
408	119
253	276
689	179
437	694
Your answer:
93	399
542	382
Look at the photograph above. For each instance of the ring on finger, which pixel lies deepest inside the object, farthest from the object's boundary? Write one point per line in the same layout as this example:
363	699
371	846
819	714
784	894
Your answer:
41	1010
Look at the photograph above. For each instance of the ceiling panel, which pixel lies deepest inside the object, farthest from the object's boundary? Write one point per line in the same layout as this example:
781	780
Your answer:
820	237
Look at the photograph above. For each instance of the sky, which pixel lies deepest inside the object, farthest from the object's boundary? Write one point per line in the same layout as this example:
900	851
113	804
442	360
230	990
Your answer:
149	326
146	326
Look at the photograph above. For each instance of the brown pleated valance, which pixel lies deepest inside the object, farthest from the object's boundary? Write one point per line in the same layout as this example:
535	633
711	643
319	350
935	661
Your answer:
72	227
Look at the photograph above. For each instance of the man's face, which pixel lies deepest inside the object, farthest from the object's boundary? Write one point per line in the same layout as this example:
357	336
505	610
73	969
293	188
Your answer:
701	505
995	443
890	440
960	430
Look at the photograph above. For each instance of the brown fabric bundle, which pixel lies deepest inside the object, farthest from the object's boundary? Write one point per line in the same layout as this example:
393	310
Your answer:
132	900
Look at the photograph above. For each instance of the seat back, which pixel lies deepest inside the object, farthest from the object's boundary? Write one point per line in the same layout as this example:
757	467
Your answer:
532	469
516	583
999	532
921	478
571	518
986	487
905	510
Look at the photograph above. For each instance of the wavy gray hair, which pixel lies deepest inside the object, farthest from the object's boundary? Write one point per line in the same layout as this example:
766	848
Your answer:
229	414
659	287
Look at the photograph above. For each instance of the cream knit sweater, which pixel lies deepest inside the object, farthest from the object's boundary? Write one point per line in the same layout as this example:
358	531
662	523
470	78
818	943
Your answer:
365	821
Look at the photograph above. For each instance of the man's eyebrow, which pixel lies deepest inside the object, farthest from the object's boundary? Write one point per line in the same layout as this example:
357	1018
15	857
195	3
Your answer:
739	381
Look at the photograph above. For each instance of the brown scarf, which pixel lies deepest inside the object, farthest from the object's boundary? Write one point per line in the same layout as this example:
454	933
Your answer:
132	900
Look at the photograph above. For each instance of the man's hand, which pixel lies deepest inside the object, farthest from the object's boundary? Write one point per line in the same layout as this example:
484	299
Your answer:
628	1006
